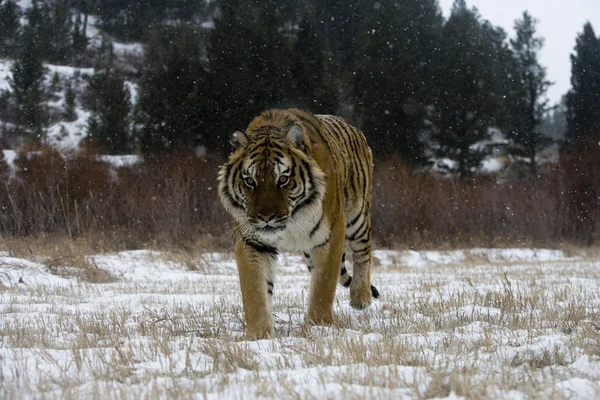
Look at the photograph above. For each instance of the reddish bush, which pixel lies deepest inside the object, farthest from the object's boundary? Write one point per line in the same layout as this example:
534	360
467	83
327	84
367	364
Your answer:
580	169
173	198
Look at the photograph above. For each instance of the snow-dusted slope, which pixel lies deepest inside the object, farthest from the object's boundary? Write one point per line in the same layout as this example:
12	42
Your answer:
62	134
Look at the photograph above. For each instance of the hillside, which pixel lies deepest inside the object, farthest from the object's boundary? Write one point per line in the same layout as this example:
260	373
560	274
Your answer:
61	132
186	74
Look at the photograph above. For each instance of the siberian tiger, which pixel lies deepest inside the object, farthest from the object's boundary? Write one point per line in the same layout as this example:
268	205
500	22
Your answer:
299	182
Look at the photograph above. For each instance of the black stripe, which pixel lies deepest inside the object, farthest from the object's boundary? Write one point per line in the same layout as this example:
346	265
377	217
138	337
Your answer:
232	199
294	198
346	195
353	183
364	250
363	175
343	257
354	165
234	173
250	165
316	227
316	129
306	202
343	271
306	173
288	121
331	126
367	239
343	132
270	287
261	247
358	216
348	282
276	146
308	121
361	227
324	242
366	151
358	150
361	231
303	178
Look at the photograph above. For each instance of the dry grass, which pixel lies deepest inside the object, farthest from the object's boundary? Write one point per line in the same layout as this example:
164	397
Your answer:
474	328
63	256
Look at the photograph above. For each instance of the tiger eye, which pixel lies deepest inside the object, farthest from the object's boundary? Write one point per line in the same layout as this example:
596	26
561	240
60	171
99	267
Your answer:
249	181
283	180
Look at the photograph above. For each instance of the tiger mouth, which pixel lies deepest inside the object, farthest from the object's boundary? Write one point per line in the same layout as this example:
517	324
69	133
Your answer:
275	225
270	228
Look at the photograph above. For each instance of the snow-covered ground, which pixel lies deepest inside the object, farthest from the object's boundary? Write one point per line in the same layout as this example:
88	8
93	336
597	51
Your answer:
478	323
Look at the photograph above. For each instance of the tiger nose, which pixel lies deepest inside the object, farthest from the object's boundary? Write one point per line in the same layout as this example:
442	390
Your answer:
266	218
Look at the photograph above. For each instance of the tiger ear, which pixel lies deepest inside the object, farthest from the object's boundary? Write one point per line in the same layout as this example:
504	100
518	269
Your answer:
295	136
238	140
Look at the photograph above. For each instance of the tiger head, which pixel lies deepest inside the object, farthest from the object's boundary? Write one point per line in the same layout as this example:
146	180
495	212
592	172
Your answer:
270	182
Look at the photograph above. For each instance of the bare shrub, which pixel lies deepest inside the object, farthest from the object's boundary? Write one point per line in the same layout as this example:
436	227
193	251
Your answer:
581	174
412	208
172	199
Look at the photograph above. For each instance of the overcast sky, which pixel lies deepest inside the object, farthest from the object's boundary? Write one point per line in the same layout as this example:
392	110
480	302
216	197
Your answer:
559	21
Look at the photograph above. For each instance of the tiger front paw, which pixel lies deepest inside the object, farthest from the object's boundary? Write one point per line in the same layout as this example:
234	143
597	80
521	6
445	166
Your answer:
258	333
263	328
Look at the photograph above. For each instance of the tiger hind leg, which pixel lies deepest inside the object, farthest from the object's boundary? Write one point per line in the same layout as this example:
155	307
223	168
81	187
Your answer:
361	292
345	278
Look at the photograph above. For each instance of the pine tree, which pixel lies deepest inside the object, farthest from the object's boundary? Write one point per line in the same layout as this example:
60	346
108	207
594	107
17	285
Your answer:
79	37
340	22
83	7
58	27
37	28
531	105
172	100
393	85
250	66
104	56
554	125
472	87
133	20
583	100
313	86
109	123
26	84
10	28
70	99
50	23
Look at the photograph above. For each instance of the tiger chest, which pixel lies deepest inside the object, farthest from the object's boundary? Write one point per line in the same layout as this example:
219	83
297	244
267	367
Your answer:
304	232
